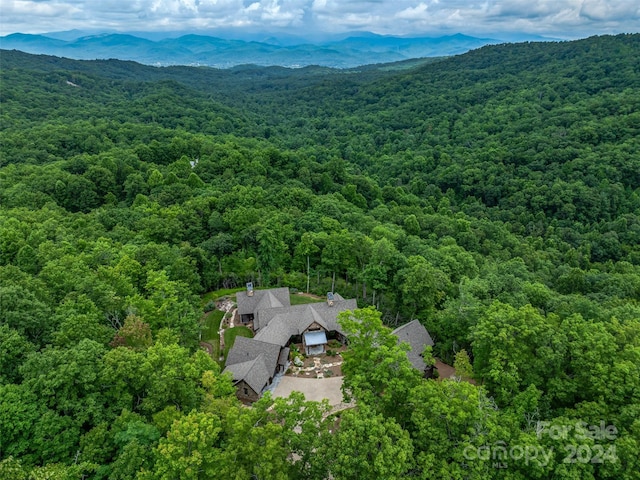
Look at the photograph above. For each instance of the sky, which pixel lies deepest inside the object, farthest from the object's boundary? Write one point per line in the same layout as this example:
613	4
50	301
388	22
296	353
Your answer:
566	19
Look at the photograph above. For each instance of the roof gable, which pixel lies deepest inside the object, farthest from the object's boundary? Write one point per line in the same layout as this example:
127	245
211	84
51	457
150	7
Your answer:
280	329
262	299
252	361
245	349
269	300
417	336
254	373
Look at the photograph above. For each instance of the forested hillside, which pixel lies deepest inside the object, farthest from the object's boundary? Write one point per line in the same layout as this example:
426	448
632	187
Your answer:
494	196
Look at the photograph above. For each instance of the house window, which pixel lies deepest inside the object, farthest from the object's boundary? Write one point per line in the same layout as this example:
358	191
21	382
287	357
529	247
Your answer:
246	391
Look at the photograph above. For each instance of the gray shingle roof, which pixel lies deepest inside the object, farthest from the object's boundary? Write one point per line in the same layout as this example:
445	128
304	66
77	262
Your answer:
299	317
284	356
279	331
262	299
245	349
253	372
416	335
252	361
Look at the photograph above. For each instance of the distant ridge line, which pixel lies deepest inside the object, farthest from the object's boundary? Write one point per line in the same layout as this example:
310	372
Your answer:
202	50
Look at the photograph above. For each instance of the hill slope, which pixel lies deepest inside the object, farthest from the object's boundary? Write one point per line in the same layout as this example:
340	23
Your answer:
493	196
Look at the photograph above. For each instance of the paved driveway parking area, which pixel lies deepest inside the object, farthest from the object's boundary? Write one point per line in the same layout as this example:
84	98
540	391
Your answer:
313	388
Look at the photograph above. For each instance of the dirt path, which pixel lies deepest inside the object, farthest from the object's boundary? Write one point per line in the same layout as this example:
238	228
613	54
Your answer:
230	312
208	347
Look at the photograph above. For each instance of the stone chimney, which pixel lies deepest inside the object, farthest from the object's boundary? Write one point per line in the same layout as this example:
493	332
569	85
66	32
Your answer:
330	299
249	289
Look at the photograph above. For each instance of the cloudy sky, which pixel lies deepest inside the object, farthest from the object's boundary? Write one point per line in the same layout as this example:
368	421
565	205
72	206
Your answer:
557	18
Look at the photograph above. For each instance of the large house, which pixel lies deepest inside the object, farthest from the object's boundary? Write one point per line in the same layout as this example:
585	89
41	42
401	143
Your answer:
253	362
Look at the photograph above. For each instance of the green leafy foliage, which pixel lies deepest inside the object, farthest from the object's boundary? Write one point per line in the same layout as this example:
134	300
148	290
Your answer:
493	196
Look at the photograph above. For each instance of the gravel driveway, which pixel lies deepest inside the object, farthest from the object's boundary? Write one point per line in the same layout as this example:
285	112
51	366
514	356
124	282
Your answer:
313	388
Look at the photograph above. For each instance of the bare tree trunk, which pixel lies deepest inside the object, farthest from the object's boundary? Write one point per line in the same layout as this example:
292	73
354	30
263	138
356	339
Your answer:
364	285
114	320
308	274
333	282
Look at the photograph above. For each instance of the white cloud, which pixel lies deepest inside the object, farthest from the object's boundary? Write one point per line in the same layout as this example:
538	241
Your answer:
610	11
36	9
410	17
417	12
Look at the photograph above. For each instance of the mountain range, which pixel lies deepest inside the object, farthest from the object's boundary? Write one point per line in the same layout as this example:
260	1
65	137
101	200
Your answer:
360	49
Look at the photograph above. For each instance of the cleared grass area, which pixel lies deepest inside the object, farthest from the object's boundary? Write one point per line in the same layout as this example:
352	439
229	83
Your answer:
216	294
303	299
212	324
210	331
230	335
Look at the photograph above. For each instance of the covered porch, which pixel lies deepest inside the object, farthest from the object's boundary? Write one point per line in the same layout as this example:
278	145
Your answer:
315	342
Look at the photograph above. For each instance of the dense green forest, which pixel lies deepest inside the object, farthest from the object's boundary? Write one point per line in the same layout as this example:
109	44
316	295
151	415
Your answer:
494	196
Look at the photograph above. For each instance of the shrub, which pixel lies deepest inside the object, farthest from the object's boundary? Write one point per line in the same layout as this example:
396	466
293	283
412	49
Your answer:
209	306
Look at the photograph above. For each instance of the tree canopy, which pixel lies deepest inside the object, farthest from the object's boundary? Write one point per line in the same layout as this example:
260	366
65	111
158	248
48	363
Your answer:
494	196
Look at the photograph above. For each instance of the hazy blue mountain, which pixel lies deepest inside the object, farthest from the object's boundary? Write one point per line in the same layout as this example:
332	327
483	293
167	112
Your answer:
31	42
358	49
